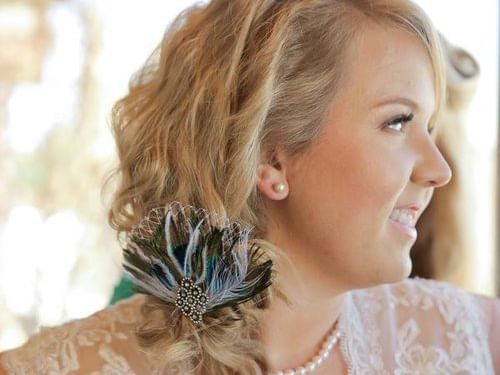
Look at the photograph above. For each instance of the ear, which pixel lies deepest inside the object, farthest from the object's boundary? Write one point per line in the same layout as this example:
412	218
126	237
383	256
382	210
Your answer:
270	175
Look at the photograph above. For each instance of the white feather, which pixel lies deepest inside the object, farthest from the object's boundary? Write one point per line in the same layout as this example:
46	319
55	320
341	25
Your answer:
170	246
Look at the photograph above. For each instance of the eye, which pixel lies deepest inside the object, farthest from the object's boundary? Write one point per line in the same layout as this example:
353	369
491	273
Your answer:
400	122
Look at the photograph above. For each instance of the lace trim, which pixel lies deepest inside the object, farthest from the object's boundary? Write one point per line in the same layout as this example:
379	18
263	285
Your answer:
342	328
465	333
462	335
462	329
54	350
360	348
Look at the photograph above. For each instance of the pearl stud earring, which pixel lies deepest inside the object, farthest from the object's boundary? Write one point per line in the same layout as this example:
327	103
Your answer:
279	188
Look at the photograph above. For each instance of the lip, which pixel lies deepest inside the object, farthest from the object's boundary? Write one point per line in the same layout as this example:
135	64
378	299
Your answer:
415	208
410	231
412	206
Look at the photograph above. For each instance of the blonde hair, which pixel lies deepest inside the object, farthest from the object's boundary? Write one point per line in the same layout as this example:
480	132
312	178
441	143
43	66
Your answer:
231	82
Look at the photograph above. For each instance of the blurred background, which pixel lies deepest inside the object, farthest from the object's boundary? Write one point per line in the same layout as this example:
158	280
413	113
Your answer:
62	65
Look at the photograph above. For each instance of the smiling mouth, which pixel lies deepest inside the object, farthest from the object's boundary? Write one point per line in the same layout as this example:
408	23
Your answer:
404	216
410	231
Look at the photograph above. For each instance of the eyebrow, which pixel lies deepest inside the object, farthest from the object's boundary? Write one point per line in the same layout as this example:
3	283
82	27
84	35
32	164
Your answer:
402	100
398	100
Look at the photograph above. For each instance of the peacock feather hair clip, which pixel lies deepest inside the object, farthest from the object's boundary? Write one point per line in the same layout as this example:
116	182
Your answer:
185	257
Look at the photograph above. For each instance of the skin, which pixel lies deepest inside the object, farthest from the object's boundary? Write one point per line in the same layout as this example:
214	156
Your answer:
332	220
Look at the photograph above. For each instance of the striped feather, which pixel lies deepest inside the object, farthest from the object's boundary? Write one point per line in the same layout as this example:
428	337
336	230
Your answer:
175	242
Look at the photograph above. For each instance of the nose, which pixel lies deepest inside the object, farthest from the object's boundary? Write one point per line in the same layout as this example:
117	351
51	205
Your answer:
431	170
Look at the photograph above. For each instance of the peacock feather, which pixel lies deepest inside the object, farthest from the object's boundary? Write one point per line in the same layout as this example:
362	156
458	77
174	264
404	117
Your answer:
185	257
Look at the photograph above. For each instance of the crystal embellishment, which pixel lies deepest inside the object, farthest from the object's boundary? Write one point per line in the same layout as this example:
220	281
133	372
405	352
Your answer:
191	300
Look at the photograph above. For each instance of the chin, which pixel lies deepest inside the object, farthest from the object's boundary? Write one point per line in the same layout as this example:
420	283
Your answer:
398	269
400	272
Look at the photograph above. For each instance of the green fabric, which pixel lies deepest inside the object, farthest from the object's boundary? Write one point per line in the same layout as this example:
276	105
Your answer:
123	290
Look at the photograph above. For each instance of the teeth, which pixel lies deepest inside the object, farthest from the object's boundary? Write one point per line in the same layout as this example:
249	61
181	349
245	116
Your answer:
403	216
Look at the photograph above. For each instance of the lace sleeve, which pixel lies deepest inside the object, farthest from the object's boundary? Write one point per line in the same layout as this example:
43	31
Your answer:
491	308
103	343
420	326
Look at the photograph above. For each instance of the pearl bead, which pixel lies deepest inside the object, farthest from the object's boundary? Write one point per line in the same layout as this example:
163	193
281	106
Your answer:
318	359
311	366
279	188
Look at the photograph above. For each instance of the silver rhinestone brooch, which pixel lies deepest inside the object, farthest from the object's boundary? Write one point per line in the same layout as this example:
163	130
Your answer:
191	300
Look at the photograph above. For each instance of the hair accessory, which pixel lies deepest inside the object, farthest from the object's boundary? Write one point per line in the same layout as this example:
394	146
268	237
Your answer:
192	259
191	300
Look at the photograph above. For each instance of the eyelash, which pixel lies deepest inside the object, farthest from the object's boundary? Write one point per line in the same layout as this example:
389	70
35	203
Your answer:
404	119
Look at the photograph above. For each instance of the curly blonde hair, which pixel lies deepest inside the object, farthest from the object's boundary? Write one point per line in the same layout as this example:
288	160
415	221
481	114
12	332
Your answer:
231	82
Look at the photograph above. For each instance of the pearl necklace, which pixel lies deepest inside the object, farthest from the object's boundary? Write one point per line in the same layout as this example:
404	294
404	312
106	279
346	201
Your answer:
318	359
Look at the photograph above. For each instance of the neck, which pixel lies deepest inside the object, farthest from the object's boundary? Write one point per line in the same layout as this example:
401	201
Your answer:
291	334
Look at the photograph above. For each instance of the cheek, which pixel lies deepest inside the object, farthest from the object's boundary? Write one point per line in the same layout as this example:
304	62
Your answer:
345	190
340	201
366	181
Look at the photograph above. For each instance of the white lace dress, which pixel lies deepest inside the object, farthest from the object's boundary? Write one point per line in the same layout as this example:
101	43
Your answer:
416	326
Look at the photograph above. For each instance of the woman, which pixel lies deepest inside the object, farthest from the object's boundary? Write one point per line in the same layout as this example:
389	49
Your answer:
314	122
